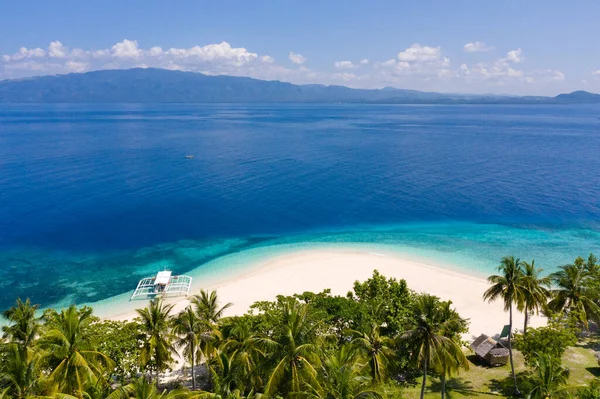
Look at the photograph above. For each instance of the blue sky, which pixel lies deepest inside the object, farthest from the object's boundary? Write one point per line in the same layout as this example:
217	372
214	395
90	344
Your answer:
503	46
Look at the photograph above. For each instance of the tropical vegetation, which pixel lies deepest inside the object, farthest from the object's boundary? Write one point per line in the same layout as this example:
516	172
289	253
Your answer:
381	340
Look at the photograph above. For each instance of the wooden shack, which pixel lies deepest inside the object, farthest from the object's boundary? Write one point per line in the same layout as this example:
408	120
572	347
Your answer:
490	351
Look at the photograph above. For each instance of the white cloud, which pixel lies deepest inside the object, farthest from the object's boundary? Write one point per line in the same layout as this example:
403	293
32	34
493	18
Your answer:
364	61
267	59
214	52
515	56
56	50
344	65
418	53
417	60
126	49
595	74
75	66
24	53
101	53
477	46
296	58
155	51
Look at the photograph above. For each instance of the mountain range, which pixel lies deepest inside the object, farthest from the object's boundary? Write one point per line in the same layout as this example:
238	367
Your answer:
151	85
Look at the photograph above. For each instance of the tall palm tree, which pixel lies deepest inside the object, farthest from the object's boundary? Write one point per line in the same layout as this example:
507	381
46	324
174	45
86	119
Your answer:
376	350
207	306
431	348
208	309
24	327
535	292
575	292
70	351
244	349
549	377
141	388
343	377
294	348
19	372
453	358
510	289
188	328
157	337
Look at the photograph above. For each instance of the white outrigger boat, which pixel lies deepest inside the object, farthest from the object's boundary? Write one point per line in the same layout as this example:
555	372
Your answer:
162	284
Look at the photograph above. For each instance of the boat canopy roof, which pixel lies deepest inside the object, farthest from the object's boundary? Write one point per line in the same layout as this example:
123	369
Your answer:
163	278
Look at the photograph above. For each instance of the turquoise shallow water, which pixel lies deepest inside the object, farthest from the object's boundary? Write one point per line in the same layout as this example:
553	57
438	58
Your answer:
94	197
467	247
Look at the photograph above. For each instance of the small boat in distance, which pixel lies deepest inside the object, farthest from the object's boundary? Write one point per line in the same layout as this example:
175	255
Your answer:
190	156
163	284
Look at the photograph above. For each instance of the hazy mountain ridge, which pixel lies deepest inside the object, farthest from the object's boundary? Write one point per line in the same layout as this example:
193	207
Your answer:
159	85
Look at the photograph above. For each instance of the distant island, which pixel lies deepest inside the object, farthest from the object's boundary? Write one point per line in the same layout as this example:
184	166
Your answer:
151	85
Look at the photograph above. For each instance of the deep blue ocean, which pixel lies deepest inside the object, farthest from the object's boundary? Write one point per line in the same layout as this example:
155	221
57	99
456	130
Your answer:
94	196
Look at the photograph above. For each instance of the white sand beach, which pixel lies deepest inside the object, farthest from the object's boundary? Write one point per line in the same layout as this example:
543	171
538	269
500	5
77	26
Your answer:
337	269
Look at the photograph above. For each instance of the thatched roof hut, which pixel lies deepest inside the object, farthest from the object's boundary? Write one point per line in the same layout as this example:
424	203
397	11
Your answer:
490	351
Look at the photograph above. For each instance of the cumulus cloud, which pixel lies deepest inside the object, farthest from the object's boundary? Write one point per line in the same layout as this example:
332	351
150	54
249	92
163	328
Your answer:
423	61
219	58
56	50
344	65
515	56
24	53
477	46
126	49
418	53
296	58
364	61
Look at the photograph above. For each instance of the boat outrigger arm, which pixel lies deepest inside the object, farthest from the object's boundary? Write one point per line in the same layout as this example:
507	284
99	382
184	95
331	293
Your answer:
162	284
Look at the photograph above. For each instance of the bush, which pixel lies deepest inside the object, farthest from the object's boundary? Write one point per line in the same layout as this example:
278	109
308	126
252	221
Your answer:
552	340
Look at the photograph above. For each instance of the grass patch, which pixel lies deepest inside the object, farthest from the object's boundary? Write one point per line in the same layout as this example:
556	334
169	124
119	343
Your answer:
485	382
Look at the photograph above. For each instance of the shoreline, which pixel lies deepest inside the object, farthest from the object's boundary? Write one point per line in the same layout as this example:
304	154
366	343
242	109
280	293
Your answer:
300	270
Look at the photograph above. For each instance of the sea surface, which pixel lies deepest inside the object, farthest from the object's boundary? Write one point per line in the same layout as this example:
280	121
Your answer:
94	197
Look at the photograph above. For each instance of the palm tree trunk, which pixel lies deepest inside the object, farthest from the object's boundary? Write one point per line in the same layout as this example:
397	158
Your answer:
193	370
444	385
512	364
157	376
424	379
208	368
526	320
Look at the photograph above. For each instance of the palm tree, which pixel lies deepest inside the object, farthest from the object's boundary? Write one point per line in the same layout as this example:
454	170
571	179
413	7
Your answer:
575	293
208	309
431	349
25	326
69	350
156	335
294	348
343	377
453	359
207	306
141	388
535	293
509	287
549	377
19	372
188	328
376	350
244	349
